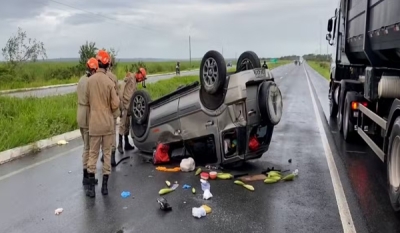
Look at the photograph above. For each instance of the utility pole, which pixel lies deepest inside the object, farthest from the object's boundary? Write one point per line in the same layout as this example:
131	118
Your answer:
222	50
190	52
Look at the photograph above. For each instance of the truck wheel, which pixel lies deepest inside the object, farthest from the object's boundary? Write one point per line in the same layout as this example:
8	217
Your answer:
333	107
247	61
140	110
393	166
349	134
212	72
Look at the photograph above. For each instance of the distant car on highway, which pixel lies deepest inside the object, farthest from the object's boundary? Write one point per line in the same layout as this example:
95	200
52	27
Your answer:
229	64
230	117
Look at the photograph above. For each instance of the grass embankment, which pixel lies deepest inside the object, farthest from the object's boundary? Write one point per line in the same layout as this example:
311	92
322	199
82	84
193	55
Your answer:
24	121
321	67
40	74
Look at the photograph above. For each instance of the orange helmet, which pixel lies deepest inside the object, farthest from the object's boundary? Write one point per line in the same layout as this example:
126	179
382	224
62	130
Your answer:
140	75
92	64
103	57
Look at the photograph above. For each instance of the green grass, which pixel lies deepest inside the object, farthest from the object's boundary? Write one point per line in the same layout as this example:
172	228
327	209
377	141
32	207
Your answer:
24	121
321	67
54	73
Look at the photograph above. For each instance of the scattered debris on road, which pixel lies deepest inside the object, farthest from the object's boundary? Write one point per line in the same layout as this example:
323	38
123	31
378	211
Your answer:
125	194
62	142
164	205
58	211
199	212
187	165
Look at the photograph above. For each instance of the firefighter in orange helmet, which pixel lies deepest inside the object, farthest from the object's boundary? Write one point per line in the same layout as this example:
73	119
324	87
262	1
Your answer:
103	100
83	114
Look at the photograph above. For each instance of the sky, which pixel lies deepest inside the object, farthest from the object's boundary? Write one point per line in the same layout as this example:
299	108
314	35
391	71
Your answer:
161	28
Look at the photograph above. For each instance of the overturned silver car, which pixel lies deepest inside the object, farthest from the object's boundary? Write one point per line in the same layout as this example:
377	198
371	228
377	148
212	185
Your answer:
227	117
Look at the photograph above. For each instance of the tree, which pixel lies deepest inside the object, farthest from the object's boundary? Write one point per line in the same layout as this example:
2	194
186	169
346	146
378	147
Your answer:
87	51
19	48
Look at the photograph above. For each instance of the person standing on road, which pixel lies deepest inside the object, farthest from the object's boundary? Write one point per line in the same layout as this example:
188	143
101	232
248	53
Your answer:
265	66
83	114
116	114
103	100
127	90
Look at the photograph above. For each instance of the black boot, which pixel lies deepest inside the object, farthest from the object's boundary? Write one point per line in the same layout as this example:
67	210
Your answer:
104	189
91	192
119	147
128	146
113	163
85	180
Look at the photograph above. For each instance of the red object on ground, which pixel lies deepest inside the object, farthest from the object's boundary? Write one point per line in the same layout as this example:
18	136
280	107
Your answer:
204	175
161	154
254	144
213	175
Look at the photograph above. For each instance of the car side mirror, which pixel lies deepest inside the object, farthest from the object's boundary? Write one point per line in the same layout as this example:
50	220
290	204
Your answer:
328	37
330	24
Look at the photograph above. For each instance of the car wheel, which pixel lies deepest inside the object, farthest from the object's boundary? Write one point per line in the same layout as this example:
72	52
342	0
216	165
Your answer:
393	166
270	103
212	72
140	110
247	61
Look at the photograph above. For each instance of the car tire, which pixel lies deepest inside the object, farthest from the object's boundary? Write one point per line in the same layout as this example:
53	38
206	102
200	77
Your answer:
247	61
212	72
393	167
270	103
140	110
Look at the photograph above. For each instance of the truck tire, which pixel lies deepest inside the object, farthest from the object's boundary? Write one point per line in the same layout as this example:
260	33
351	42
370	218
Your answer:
349	134
140	110
333	107
247	61
212	72
393	166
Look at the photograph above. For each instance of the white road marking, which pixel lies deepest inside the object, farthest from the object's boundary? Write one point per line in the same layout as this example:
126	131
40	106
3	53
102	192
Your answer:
344	211
39	163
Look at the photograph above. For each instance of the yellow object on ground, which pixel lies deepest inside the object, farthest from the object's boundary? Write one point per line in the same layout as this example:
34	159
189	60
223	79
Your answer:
270	181
198	171
165	191
207	208
165	169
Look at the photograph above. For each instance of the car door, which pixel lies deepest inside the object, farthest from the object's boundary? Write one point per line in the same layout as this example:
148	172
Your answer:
164	122
194	122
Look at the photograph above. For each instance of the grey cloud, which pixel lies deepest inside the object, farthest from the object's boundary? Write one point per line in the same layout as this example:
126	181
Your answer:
84	19
18	9
160	28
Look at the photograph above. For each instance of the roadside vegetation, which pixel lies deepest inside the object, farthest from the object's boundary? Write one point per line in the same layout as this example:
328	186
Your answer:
26	66
321	67
27	120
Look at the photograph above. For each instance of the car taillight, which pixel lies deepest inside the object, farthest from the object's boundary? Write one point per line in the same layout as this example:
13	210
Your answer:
354	105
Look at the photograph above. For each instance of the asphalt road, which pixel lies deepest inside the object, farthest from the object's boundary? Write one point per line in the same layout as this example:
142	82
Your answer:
71	89
34	186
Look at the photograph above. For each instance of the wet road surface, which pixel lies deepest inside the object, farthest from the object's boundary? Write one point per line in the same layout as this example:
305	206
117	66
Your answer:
34	186
71	89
